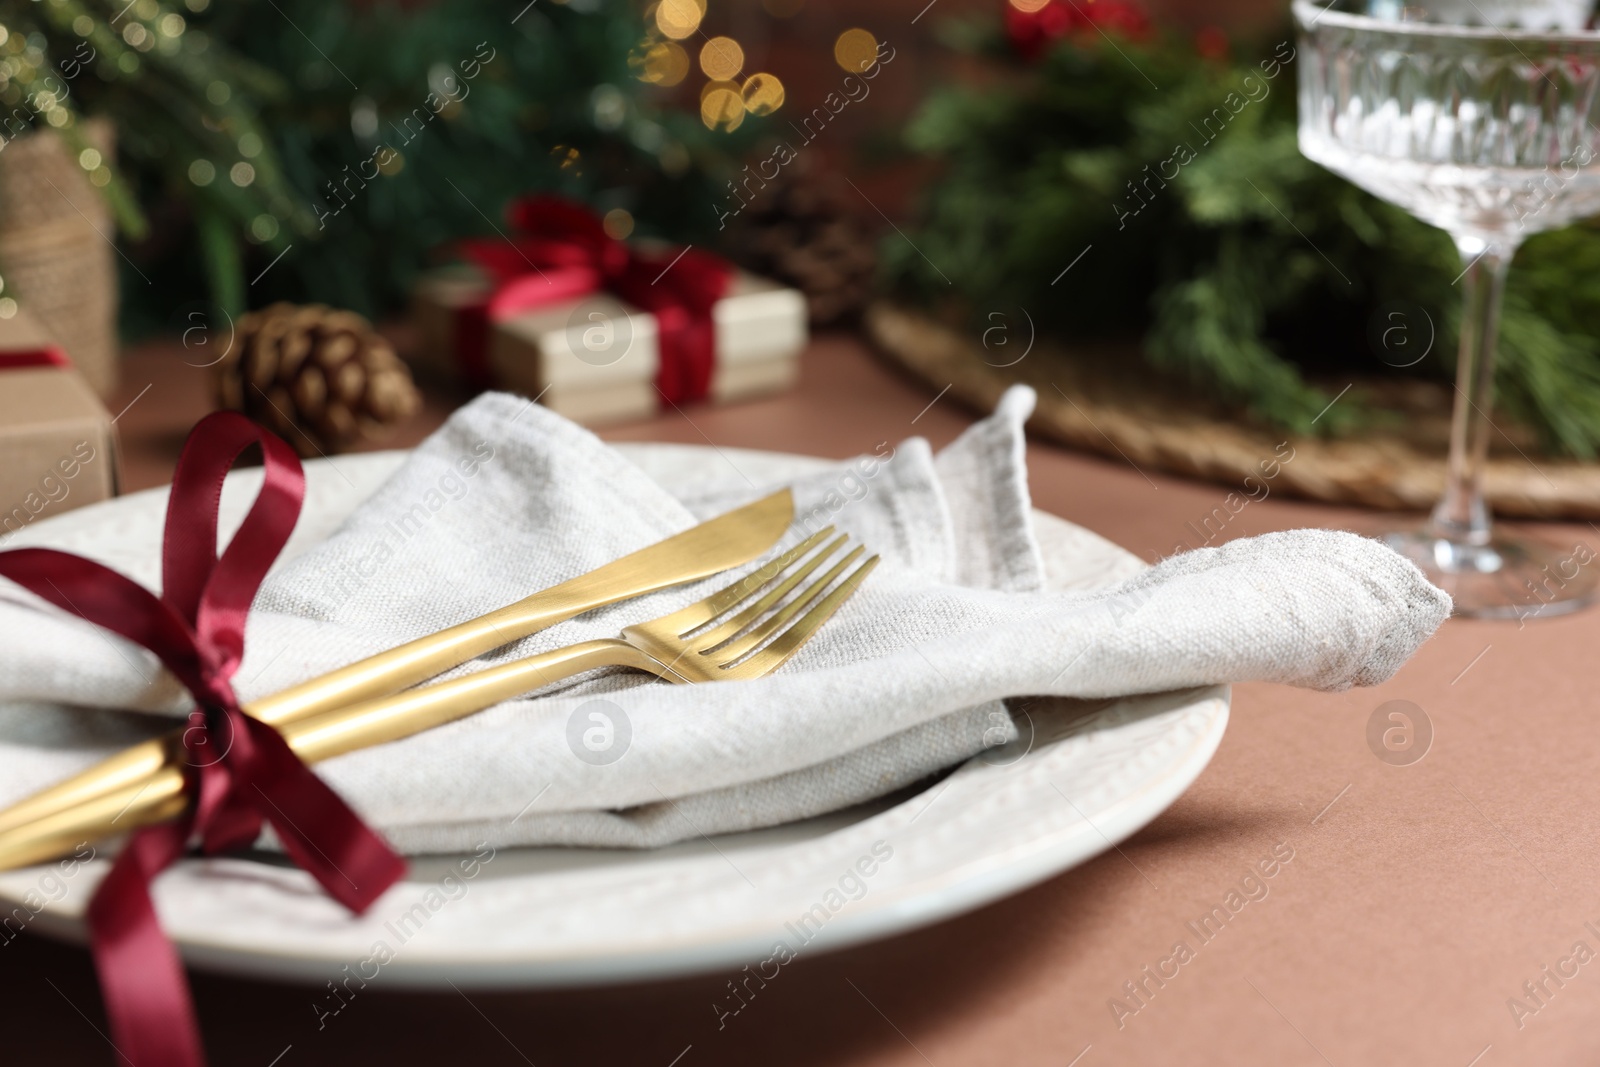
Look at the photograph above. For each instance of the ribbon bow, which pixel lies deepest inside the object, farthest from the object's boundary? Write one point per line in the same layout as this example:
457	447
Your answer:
559	250
240	770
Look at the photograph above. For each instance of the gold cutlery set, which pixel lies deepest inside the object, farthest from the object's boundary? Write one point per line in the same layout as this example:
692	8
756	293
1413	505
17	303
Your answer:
744	631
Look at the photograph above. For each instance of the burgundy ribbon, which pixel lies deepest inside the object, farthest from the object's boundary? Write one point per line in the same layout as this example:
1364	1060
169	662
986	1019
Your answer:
240	770
559	250
24	358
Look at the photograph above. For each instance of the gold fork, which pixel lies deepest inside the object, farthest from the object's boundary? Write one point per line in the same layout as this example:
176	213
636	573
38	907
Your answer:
744	631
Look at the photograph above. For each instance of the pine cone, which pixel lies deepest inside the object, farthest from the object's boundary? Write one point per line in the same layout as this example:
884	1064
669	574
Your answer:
322	379
804	229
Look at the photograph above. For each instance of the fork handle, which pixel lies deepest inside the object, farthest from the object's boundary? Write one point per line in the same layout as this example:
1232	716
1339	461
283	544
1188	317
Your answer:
160	796
377	722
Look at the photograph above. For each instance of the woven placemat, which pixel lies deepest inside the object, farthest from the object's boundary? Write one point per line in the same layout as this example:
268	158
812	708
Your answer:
1399	466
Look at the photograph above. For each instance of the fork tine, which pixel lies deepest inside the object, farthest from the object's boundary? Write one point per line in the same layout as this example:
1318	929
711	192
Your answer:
731	627
732	650
724	600
790	641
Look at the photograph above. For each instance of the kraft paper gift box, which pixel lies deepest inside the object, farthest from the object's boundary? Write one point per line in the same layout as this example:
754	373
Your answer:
594	358
57	443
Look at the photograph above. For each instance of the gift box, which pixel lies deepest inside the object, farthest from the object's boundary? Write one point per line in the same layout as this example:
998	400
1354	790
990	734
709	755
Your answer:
597	360
602	332
57	260
57	442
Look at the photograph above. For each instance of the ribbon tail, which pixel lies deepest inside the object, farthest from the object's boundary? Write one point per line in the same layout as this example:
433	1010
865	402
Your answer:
141	977
197	630
317	828
471	345
700	361
688	356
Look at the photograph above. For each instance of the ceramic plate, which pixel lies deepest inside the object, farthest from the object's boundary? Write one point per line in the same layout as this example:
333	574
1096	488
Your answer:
1084	776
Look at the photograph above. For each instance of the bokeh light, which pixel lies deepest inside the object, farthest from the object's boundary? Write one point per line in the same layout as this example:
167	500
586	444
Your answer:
663	63
722	108
609	107
1030	6
856	50
568	158
763	94
618	224
721	58
679	18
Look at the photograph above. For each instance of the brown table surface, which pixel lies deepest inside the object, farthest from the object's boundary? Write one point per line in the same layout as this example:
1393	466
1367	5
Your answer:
1418	901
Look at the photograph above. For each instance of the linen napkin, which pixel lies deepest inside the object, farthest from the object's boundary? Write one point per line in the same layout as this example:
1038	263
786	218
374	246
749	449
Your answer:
907	679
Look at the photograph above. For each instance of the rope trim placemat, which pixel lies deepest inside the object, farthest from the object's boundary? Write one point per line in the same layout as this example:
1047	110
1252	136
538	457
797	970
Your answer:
1399	469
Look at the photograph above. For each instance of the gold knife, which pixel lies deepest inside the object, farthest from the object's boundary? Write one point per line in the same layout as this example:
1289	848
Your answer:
712	547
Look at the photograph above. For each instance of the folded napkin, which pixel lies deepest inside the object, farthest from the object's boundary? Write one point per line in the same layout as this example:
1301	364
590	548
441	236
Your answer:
907	679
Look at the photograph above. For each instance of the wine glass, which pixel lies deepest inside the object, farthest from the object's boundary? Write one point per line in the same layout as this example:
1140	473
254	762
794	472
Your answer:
1490	134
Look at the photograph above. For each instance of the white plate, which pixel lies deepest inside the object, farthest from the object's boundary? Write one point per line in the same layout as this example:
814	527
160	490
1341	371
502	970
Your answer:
1085	776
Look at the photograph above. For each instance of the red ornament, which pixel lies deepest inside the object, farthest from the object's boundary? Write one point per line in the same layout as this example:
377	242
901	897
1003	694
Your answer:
1031	33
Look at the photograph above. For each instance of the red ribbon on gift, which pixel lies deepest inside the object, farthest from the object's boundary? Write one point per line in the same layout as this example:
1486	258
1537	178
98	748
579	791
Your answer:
240	771
559	250
1032	32
26	358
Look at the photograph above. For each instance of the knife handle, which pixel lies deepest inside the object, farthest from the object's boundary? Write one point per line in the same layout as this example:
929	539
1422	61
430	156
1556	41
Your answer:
377	676
161	794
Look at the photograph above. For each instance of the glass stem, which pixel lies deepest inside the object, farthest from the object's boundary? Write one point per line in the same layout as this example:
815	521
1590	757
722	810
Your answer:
1462	515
